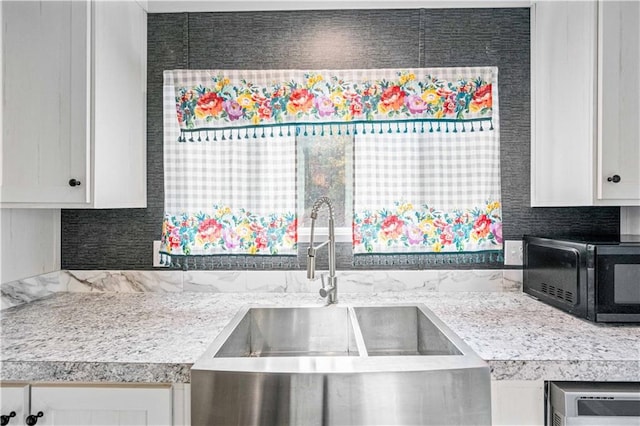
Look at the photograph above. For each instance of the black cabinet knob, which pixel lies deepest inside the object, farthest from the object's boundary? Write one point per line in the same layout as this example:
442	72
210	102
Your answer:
614	179
74	182
32	420
4	419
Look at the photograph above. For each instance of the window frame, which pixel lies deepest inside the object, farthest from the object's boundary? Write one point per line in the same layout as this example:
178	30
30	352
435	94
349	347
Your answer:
343	234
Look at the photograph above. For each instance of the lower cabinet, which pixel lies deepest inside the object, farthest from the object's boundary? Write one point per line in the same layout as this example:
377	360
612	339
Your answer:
513	403
89	405
14	403
517	402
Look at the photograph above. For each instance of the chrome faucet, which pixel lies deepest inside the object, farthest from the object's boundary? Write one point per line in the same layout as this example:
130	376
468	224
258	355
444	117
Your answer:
330	291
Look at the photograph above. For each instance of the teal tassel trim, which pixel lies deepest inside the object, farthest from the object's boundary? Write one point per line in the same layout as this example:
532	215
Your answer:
339	128
428	259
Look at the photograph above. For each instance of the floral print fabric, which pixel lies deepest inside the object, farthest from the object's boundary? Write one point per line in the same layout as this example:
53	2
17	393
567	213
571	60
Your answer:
230	231
228	197
409	228
227	109
225	99
431	192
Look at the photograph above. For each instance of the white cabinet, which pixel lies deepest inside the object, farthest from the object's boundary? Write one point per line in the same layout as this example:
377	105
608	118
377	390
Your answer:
619	107
14	403
74	104
105	406
585	62
87	405
517	402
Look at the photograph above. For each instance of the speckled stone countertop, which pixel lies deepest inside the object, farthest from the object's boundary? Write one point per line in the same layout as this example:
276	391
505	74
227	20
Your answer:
156	337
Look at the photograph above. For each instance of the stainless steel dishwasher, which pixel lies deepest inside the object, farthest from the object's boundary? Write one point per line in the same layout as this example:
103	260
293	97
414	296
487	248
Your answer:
593	404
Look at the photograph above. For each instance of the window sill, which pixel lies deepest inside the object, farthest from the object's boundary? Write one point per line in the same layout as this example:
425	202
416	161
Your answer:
342	234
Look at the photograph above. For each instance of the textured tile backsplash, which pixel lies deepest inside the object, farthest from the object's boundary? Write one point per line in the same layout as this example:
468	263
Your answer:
24	291
332	39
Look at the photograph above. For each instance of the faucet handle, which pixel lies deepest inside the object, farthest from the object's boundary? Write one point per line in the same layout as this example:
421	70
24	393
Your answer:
311	263
326	291
323	291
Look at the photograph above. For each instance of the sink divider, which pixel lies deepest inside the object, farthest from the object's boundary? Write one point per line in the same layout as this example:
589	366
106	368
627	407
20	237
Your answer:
362	349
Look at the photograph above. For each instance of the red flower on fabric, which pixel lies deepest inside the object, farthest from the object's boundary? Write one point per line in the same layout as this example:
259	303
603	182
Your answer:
357	236
355	108
449	106
392	227
482	226
446	236
209	104
440	223
261	241
210	230
482	97
301	100
265	111
391	99
292	230
174	241
444	92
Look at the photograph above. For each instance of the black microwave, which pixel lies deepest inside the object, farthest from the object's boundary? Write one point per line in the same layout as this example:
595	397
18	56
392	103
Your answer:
597	278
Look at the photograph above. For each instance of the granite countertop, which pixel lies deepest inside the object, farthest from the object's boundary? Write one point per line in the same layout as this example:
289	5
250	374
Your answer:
156	337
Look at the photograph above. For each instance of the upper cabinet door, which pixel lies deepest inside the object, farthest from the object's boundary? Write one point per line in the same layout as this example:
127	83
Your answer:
563	93
74	111
45	107
618	175
119	104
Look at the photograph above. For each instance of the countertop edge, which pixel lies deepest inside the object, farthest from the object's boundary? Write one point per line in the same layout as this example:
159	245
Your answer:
94	372
123	372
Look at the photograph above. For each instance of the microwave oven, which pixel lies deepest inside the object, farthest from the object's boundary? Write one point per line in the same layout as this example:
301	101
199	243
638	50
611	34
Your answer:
596	278
593	403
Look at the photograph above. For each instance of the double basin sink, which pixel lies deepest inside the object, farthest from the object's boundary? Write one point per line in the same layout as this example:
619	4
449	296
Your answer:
339	364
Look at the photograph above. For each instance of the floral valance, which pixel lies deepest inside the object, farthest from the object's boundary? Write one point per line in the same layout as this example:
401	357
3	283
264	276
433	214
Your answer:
227	104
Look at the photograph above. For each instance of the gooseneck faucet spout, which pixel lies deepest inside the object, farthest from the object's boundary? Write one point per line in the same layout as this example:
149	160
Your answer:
330	290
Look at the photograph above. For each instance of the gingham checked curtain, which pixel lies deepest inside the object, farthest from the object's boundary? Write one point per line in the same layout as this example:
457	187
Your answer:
230	157
435	191
228	196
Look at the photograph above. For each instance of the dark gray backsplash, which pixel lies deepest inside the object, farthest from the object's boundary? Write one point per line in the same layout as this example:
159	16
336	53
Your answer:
122	239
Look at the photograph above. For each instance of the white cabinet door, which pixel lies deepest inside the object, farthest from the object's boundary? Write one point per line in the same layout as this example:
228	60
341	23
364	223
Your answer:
119	104
563	89
619	93
517	402
74	104
45	109
13	400
104	406
585	91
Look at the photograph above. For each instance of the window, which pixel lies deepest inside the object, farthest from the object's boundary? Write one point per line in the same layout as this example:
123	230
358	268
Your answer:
325	168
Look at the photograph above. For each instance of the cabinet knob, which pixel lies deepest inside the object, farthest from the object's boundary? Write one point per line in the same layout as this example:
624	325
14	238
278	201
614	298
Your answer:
32	420
614	179
4	419
74	182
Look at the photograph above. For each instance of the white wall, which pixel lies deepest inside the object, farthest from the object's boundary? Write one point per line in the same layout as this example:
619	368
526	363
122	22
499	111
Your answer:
630	220
30	243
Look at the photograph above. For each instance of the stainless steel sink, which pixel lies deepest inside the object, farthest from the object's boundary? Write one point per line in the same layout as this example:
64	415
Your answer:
339	364
291	332
402	331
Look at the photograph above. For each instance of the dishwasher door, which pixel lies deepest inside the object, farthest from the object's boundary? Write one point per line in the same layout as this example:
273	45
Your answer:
593	404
